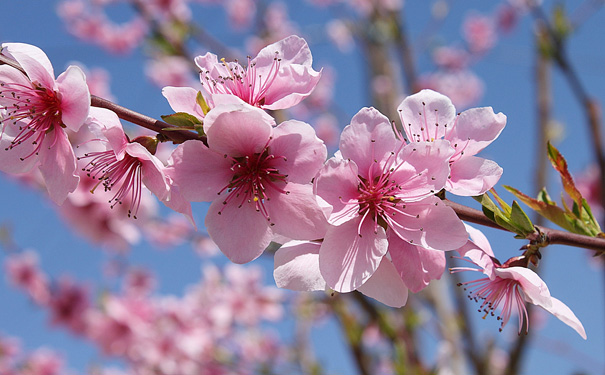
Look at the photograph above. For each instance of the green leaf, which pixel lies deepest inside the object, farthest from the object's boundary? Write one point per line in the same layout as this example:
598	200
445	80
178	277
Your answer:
182	120
202	103
520	219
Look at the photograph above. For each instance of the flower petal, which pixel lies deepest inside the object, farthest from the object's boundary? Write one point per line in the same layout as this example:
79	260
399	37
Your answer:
237	130
34	61
304	153
534	288
348	258
75	97
564	314
424	169
367	139
183	99
426	116
472	175
241	233
297	267
199	172
336	184
291	86
15	160
292	50
476	128
296	214
386	286
417	266
430	224
58	166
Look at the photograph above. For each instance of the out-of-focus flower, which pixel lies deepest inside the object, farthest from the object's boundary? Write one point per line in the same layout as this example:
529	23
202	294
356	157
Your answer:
23	272
463	87
479	32
170	71
34	109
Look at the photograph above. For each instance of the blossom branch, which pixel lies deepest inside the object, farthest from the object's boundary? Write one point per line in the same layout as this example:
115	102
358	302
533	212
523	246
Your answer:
176	136
543	235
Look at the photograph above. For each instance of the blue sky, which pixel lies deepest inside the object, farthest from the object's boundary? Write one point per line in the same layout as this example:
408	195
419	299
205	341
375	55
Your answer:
508	73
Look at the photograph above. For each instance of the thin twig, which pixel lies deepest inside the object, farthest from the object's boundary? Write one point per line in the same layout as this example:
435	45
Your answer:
549	236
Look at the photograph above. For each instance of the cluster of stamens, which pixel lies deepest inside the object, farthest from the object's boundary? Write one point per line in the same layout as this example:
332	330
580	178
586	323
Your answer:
499	293
34	110
253	176
244	83
109	171
379	196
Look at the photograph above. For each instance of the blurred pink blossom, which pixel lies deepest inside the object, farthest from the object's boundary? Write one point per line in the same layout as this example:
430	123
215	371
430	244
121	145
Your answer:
479	32
23	272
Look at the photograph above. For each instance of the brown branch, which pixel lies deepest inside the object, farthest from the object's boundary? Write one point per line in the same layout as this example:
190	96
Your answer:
176	136
550	236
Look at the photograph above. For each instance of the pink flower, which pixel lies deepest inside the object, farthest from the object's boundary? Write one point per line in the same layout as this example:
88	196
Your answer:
128	166
68	305
257	177
35	109
23	271
479	33
380	193
509	286
279	77
428	116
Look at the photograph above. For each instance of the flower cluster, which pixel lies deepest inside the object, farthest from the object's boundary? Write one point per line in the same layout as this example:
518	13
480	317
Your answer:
216	327
369	219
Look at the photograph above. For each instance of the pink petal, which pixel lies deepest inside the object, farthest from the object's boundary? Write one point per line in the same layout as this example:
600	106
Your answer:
209	62
34	61
10	159
183	99
479	239
304	153
58	166
297	267
564	314
9	74
178	203
199	172
346	259
534	288
292	50
426	116
430	224
424	170
241	233
152	170
476	128
369	137
106	124
75	97
291	86
417	266
472	175
386	286
296	214
336	184
237	130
